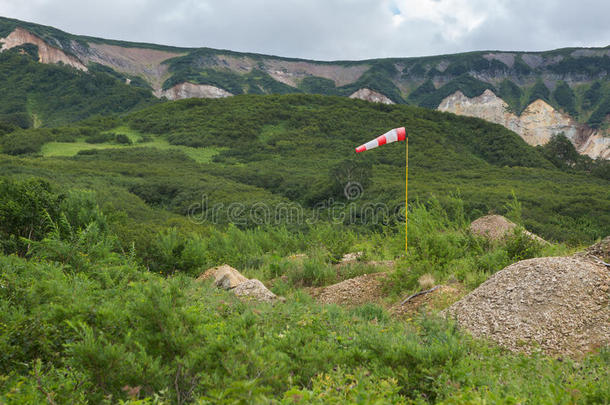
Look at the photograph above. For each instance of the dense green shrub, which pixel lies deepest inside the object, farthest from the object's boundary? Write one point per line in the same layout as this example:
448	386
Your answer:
539	91
592	95
59	94
423	90
318	85
100	137
511	94
468	85
26	208
600	115
565	97
561	152
121	333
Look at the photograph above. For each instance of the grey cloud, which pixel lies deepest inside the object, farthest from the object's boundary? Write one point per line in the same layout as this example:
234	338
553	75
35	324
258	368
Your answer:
323	29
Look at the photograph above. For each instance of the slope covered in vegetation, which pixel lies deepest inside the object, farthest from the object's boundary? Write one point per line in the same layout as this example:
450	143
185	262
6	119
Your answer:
105	223
34	94
300	149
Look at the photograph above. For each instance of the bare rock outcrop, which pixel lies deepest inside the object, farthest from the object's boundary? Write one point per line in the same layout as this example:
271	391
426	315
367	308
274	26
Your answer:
496	227
559	305
371	95
224	276
536	124
191	90
228	278
46	53
255	290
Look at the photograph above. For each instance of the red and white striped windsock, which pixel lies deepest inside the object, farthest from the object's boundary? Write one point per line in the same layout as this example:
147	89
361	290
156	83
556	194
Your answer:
396	134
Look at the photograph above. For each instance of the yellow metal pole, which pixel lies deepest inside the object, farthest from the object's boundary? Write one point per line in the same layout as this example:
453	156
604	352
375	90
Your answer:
406	193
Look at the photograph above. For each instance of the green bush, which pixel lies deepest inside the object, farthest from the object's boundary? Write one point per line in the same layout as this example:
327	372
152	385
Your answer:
565	97
539	91
313	272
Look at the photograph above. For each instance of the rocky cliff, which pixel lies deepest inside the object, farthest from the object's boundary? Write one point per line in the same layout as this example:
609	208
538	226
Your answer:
372	96
536	124
190	90
46	53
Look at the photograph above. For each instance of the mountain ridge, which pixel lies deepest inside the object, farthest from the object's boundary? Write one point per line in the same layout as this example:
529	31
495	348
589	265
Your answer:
563	78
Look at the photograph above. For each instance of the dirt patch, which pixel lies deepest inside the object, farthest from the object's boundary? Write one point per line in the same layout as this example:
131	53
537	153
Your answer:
352	292
496	228
436	300
559	305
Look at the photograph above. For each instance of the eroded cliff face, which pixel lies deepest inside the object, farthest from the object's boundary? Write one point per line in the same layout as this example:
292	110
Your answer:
190	90
370	95
536	125
146	63
46	53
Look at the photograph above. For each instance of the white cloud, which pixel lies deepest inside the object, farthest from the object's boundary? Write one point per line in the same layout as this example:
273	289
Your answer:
452	18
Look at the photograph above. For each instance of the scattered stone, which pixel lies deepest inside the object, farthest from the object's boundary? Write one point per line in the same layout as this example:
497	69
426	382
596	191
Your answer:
349	258
224	276
496	228
557	304
599	252
255	290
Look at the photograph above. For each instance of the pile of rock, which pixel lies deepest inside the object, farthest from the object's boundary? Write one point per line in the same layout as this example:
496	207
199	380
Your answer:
560	305
352	292
228	278
496	228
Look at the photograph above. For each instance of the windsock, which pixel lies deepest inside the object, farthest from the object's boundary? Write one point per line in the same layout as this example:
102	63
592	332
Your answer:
396	134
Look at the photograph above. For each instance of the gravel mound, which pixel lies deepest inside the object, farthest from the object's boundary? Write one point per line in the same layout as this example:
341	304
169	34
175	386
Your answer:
352	292
559	304
496	227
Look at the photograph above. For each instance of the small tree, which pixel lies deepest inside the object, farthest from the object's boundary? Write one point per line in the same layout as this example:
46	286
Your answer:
560	151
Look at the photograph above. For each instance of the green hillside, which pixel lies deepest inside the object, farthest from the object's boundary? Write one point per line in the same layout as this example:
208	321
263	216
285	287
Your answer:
35	94
299	148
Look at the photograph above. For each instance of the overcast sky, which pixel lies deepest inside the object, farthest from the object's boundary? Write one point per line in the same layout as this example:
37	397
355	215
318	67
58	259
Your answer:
331	29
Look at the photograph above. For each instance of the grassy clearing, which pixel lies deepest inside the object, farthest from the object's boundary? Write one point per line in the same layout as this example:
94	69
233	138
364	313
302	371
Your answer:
54	149
67	149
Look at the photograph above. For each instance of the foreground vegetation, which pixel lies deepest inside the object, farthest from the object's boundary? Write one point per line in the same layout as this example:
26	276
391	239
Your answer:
84	320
